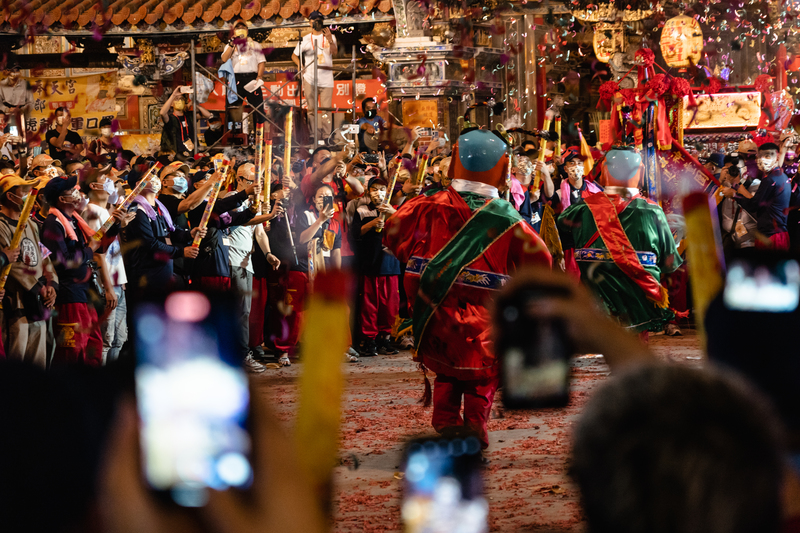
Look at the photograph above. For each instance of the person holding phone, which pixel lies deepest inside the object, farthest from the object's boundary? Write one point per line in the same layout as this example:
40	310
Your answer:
178	133
106	147
248	68
64	143
320	47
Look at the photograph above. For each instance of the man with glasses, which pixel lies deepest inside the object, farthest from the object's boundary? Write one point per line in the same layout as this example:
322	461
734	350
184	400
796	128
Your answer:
240	251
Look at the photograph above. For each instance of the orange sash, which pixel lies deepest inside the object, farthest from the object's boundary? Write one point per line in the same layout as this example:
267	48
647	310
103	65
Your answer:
622	251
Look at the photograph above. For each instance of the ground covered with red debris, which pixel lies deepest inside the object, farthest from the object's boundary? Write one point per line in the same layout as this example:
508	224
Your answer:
526	482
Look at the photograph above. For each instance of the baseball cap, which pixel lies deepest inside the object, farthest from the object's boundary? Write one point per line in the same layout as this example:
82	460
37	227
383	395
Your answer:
41	160
377	180
246	169
10	181
172	168
315	15
57	187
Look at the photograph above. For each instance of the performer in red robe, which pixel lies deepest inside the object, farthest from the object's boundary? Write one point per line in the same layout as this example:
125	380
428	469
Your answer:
459	246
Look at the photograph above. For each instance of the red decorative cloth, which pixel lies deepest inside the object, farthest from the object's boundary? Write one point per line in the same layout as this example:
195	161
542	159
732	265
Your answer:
461	346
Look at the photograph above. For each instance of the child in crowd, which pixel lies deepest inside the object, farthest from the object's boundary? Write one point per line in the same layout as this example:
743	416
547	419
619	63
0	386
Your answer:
379	271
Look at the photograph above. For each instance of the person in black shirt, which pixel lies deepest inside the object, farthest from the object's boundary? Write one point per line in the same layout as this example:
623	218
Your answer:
178	133
152	241
379	272
69	238
770	203
214	132
64	143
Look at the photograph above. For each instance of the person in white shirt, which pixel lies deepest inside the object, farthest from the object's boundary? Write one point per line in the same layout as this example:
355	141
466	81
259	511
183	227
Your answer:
113	328
240	252
15	93
248	67
326	49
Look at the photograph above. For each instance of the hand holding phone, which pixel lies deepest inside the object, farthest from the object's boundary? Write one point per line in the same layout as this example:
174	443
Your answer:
443	487
558	299
193	397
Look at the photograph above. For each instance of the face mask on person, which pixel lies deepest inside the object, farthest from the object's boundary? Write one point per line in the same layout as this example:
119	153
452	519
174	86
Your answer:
180	184
370	113
105	131
179	105
377	195
241	33
215	126
60	120
72	197
575	172
19	201
154	186
766	163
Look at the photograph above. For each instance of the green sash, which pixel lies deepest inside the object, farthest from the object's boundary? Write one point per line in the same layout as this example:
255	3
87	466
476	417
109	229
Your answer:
484	227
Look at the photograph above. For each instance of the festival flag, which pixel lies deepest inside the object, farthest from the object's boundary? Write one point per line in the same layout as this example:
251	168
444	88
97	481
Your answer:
586	152
703	254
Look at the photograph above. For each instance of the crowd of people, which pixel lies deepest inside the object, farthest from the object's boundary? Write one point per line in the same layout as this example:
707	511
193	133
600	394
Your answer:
430	232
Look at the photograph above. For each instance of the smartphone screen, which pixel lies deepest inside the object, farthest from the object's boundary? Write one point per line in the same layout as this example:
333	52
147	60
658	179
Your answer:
443	489
534	354
771	286
13	131
192	396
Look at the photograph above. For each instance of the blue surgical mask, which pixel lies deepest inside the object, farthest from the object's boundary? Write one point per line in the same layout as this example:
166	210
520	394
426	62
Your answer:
180	185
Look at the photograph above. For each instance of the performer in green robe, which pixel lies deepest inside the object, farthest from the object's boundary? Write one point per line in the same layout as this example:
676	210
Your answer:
623	245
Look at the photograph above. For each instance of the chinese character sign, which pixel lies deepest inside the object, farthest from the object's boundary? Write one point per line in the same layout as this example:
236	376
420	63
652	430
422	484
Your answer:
342	92
88	98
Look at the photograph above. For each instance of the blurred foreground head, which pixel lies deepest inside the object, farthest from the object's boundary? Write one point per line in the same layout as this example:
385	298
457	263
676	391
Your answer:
671	449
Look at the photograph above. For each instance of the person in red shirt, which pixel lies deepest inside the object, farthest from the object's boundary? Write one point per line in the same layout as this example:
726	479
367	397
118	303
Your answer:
332	171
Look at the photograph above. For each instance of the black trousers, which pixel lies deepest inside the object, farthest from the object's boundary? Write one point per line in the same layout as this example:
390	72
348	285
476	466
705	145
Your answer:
254	98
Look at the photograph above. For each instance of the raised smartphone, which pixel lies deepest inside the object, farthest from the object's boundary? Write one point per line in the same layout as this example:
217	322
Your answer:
192	396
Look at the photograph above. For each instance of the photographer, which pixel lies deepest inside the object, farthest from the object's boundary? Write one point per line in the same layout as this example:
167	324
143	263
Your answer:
369	126
64	143
178	133
318	46
248	67
770	203
738	227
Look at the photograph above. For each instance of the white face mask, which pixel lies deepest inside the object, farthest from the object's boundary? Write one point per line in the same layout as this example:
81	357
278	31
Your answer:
105	132
60	120
153	186
767	163
377	197
575	172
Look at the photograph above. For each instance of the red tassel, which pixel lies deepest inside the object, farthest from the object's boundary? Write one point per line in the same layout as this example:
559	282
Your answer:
427	396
